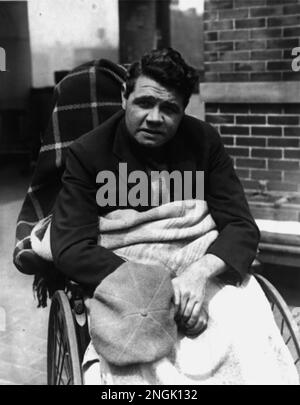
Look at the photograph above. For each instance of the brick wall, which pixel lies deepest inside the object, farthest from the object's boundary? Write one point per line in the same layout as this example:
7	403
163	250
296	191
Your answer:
251	41
263	140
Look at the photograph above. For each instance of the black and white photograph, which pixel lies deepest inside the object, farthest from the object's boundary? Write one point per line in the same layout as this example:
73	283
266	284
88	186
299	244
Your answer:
150	195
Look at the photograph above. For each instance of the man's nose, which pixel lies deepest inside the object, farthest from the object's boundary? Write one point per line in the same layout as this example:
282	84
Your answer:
154	116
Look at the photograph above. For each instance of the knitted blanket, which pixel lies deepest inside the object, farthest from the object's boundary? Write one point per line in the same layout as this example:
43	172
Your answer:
172	235
241	345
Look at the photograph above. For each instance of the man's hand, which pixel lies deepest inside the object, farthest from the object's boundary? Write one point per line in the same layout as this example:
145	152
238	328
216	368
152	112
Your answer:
189	293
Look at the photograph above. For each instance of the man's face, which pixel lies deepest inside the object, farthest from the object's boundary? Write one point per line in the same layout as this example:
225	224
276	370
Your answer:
152	112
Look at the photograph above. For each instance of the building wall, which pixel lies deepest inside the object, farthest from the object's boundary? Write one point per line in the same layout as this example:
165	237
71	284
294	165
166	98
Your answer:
248	45
190	45
67	33
15	82
251	40
137	22
263	140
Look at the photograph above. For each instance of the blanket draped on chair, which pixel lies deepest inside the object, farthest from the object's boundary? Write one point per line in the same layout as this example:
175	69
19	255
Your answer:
241	345
85	98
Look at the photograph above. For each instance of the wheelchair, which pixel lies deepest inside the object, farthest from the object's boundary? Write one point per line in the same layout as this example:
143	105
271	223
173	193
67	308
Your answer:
85	98
68	335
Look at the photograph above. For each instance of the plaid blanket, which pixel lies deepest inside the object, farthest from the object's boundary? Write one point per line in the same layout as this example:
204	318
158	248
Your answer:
84	99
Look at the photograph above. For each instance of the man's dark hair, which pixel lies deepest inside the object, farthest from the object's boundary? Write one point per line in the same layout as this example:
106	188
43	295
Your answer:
167	67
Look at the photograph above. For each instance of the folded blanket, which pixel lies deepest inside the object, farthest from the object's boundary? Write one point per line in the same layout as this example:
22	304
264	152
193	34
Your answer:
172	235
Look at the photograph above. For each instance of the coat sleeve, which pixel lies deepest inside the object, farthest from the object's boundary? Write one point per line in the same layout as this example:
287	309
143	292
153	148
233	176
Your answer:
238	234
75	226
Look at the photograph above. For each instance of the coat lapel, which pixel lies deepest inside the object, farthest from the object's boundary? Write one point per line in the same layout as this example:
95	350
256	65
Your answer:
123	151
182	157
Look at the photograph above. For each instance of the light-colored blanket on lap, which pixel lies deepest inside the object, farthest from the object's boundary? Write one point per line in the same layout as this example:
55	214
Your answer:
172	235
241	344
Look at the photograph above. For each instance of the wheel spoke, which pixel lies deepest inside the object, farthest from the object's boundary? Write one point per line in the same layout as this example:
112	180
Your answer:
68	372
61	353
58	345
61	366
68	365
282	326
61	363
288	340
58	357
65	368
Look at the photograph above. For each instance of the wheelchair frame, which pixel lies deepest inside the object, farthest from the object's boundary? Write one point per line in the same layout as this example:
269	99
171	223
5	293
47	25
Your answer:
68	333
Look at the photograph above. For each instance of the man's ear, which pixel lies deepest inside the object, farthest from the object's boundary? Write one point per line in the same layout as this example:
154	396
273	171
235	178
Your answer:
124	99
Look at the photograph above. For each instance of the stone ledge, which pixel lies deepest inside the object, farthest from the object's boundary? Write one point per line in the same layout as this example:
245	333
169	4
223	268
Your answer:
279	243
250	92
286	212
279	255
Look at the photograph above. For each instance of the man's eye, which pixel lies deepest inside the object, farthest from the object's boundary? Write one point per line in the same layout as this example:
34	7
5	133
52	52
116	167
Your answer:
145	104
169	110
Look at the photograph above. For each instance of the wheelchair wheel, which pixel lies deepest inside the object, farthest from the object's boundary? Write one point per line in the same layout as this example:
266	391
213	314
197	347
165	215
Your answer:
64	367
283	318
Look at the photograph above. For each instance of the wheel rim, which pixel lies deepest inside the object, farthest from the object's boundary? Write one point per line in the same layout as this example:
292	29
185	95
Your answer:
63	359
283	319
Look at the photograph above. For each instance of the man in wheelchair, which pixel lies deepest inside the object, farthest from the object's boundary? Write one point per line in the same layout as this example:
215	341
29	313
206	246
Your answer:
152	134
150	212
